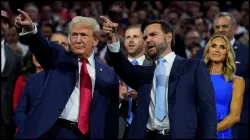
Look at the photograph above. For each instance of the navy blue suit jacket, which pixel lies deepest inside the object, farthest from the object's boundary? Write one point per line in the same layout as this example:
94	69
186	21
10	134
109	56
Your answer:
242	69
31	91
189	88
60	82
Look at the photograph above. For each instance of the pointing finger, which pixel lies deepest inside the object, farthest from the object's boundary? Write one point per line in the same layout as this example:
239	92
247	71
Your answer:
23	13
105	19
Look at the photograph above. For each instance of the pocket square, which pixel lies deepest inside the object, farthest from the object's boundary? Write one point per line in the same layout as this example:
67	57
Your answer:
237	62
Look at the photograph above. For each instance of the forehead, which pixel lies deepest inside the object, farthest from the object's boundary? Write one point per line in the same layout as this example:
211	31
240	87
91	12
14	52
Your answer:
81	29
222	20
58	37
152	27
133	31
219	40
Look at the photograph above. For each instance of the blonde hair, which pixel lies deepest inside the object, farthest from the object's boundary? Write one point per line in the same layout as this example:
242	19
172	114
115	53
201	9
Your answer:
85	22
229	67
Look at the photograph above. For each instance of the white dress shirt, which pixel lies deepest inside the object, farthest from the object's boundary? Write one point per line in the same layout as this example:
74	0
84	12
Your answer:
232	42
153	123
3	57
140	60
71	109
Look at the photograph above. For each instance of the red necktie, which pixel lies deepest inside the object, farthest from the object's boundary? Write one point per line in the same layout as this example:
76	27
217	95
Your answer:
85	98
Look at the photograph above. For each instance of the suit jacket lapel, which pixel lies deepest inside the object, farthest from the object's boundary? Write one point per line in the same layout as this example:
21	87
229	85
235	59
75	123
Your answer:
176	70
8	63
98	70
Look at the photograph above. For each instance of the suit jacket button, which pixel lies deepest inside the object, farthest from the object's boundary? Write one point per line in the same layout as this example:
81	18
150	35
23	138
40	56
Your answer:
60	109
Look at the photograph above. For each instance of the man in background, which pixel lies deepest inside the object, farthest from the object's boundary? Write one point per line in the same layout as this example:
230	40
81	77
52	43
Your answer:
10	70
133	44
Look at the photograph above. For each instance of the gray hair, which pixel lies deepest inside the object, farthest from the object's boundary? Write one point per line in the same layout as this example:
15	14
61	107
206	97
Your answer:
85	22
226	14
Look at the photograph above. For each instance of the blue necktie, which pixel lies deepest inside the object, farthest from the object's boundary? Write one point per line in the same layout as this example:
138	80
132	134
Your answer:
160	100
130	113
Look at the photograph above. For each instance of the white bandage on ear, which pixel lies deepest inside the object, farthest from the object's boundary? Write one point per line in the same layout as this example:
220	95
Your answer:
69	42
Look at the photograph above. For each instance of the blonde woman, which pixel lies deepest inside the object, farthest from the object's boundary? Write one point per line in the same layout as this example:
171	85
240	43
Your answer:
229	88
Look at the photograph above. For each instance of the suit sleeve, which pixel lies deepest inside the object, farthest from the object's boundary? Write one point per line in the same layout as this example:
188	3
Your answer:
44	51
112	117
207	117
23	105
126	71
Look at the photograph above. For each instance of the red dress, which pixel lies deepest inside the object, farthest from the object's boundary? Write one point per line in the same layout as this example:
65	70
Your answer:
18	89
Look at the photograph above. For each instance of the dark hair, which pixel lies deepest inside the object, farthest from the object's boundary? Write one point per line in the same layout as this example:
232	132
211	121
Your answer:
58	33
165	27
226	14
28	66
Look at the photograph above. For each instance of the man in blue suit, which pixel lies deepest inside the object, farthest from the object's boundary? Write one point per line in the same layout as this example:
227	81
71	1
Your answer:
34	85
80	95
31	92
170	92
225	23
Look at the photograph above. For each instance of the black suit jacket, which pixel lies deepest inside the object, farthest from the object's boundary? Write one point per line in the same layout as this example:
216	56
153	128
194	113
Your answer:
12	69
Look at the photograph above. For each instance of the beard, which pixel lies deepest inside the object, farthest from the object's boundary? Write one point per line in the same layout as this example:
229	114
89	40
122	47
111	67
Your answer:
159	49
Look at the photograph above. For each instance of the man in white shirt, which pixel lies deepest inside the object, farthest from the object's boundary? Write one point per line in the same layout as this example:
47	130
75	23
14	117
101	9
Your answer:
80	96
170	92
10	70
133	44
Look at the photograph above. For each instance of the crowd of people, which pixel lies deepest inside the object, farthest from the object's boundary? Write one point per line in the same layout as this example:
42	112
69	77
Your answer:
132	70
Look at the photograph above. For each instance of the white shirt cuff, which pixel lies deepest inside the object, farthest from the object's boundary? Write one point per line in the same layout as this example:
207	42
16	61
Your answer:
115	47
29	33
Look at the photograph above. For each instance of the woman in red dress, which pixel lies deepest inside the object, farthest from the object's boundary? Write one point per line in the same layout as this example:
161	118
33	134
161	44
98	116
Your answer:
31	67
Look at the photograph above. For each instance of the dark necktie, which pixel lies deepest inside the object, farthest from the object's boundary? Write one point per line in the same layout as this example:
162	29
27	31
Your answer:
130	113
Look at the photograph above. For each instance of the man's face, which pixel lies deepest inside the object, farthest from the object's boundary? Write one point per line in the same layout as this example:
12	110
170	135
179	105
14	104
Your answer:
191	37
46	31
223	25
155	41
32	11
60	39
82	41
4	26
11	36
133	41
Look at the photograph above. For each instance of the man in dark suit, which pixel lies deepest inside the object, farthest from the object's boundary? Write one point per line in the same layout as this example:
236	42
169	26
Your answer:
80	97
175	96
225	23
31	92
10	70
133	44
34	85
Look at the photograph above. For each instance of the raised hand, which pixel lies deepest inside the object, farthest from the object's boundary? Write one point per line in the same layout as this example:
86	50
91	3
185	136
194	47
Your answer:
132	93
109	29
122	90
23	21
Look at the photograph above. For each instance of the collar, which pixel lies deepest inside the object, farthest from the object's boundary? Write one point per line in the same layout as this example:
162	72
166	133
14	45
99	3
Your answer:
169	58
232	42
90	59
139	60
2	42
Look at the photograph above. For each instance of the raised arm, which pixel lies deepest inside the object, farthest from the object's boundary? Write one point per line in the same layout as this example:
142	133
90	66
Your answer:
206	102
235	106
126	71
44	51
